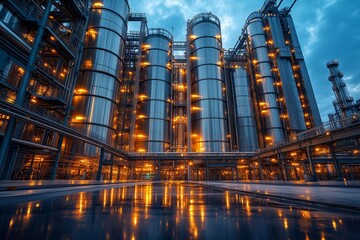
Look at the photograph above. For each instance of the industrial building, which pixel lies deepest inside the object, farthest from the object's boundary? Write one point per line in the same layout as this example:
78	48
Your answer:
83	97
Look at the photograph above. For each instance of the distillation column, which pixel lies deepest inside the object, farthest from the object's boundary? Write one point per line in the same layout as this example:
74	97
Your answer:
245	119
96	93
152	133
267	93
343	100
209	123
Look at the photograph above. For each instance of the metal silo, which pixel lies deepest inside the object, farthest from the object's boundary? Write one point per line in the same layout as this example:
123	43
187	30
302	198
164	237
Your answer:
209	123
152	132
265	82
97	88
245	119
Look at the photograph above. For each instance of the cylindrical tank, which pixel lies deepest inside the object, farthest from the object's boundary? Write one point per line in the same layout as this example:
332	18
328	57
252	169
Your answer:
208	101
245	119
152	132
343	99
270	110
97	88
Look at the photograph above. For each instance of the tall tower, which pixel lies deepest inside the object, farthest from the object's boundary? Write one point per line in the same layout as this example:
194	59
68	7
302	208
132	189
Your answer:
208	106
152	133
343	102
97	89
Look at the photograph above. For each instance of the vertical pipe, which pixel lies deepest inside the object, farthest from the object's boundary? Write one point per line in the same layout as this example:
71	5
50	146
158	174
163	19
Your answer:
208	89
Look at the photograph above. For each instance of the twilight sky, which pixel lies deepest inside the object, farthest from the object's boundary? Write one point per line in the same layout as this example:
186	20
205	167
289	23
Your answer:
327	29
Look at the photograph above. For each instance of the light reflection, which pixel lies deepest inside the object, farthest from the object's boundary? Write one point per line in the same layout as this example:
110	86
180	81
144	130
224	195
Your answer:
227	200
334	225
111	197
285	223
196	211
105	200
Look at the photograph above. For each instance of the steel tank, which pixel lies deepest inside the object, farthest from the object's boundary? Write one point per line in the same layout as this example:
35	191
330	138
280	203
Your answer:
209	121
295	114
152	133
97	88
267	93
244	110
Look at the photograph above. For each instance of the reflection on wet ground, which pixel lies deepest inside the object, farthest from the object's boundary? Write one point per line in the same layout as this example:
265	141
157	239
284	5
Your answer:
171	211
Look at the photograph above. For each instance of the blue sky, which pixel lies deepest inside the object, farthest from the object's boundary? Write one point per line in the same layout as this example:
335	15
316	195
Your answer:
327	29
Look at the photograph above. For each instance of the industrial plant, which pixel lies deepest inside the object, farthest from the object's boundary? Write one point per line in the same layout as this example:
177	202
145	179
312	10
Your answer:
83	97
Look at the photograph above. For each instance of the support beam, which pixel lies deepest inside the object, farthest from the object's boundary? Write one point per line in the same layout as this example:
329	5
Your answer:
336	163
283	166
57	158
98	174
261	176
313	172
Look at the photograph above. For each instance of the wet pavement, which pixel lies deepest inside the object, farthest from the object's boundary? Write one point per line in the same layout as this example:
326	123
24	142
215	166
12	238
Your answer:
335	195
172	210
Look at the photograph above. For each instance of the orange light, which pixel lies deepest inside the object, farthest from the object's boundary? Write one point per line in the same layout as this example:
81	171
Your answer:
193	36
268	138
141	136
98	5
194	58
195	108
264	111
80	91
79	118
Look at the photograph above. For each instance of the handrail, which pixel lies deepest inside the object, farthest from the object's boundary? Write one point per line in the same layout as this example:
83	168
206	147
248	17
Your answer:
324	129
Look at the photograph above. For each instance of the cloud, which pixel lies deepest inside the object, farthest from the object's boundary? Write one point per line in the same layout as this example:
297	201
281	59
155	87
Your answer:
314	27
